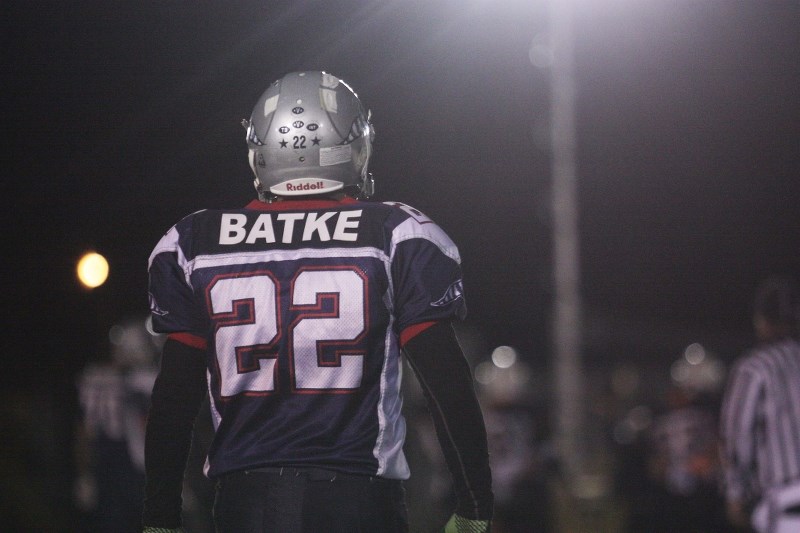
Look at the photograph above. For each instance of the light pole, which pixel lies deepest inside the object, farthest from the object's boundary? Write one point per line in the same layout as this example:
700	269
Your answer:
567	328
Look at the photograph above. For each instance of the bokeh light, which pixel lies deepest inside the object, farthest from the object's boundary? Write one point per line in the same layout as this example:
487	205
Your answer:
504	356
92	270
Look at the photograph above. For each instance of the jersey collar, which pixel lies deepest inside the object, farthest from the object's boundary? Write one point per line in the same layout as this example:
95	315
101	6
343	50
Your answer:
287	205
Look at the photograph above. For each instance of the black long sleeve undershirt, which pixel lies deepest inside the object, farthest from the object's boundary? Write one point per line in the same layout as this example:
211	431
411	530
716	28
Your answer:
446	380
178	393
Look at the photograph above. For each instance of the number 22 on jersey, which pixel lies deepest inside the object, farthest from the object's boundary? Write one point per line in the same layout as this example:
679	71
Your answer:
326	330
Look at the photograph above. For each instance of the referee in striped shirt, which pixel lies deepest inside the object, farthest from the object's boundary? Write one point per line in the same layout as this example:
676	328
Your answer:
760	419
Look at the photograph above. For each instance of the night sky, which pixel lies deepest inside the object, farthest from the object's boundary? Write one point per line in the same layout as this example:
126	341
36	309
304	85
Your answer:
123	117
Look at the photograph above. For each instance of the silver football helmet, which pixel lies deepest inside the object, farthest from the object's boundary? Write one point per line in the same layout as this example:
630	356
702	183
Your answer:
309	134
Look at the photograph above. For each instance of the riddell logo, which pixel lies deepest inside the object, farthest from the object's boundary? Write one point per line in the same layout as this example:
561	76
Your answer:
305	186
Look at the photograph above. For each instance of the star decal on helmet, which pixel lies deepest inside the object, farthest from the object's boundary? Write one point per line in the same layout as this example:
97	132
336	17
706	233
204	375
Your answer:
315	140
283	143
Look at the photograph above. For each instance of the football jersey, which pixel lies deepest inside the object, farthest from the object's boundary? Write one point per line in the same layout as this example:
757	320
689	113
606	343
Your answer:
302	304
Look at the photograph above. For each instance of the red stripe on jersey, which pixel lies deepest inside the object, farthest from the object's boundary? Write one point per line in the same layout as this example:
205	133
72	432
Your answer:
412	331
190	339
285	205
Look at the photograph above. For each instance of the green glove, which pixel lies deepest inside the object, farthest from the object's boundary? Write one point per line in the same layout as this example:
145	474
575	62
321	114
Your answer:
459	524
149	529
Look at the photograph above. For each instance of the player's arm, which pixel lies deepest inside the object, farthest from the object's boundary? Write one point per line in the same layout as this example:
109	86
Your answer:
177	394
444	374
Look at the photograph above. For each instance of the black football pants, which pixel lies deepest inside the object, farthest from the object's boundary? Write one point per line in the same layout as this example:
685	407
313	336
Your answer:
297	500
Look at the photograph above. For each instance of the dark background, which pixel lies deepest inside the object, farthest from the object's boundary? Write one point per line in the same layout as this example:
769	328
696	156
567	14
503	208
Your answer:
122	117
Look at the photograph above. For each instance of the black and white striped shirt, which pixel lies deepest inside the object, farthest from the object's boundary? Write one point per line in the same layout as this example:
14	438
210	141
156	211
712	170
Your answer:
760	423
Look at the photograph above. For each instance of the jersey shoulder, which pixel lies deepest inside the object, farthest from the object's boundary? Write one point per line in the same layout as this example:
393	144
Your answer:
406	212
408	223
177	235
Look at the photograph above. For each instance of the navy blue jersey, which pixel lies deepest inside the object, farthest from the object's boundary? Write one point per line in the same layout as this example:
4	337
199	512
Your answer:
302	304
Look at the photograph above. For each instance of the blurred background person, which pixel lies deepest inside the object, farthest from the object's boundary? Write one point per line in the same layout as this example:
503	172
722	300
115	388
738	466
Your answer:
760	418
683	465
520	454
114	396
668	449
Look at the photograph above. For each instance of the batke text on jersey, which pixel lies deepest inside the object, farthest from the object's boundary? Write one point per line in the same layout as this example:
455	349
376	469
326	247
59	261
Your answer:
236	227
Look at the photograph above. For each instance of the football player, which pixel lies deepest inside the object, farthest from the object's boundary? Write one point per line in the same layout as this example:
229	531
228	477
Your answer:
292	314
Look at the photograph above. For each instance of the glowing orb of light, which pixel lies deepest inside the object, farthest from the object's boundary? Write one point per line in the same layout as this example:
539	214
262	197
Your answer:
92	270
